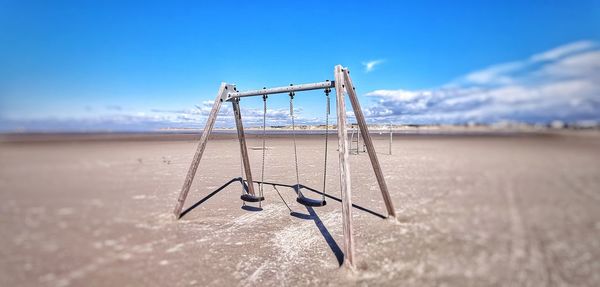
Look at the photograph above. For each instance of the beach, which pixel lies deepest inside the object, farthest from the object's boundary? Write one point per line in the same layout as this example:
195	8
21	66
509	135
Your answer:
518	209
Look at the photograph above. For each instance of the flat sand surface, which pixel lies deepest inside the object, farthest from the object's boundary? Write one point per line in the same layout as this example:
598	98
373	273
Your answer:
512	210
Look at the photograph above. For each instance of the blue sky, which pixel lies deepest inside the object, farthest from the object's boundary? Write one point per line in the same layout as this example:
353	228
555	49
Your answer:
104	65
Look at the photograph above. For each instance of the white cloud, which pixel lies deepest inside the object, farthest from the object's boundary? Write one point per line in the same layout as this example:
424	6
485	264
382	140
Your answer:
562	83
156	119
504	73
563	50
370	65
497	74
250	116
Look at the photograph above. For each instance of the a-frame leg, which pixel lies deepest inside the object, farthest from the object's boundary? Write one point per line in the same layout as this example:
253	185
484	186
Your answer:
210	122
360	118
345	183
243	148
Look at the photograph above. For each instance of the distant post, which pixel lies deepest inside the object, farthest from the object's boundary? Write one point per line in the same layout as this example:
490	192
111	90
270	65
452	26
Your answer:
391	135
358	140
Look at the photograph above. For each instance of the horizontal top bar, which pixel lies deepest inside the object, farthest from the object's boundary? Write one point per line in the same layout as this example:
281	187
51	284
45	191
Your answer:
281	90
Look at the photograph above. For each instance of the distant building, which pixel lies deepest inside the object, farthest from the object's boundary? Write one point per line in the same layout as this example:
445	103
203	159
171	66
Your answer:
557	124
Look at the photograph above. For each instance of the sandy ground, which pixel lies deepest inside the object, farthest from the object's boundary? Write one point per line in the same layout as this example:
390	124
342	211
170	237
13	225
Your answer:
517	210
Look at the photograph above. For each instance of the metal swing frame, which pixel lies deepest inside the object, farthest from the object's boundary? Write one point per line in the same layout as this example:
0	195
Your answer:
342	84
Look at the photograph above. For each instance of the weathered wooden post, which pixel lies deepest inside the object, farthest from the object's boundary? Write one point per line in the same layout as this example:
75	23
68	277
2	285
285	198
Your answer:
345	183
243	147
210	123
364	129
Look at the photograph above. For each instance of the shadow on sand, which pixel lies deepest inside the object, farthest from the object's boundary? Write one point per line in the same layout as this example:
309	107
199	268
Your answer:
312	215
238	179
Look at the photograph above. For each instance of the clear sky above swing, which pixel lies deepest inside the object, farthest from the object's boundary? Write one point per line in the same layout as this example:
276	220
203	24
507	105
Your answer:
83	66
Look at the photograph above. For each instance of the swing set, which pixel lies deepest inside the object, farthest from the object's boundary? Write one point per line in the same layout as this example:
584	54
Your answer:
342	84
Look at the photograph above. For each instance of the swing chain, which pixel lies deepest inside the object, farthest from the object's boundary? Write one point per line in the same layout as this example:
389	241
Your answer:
294	139
264	135
327	112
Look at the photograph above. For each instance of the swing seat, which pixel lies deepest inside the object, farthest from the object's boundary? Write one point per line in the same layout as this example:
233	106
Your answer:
310	202
251	198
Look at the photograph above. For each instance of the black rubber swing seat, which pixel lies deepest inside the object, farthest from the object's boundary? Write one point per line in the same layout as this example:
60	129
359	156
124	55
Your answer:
310	202
251	198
